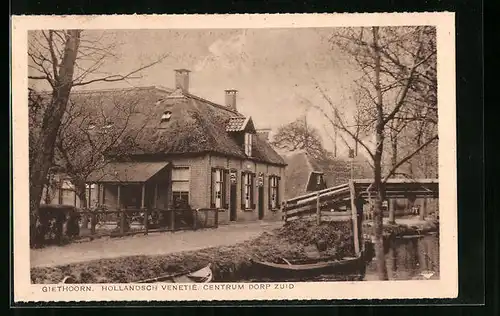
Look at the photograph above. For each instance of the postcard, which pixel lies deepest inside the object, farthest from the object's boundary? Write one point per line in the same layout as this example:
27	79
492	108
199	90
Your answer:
234	157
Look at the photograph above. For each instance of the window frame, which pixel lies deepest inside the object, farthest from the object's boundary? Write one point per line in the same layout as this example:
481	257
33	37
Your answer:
274	185
188	181
248	144
247	183
219	202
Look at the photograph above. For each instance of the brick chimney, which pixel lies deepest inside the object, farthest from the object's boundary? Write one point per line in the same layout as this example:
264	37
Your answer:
231	99
182	79
264	133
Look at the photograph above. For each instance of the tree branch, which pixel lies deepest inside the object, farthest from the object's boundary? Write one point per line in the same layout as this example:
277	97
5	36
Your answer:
114	78
405	159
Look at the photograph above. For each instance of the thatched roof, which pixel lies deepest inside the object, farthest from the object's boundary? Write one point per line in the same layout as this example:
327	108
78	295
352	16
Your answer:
195	125
302	170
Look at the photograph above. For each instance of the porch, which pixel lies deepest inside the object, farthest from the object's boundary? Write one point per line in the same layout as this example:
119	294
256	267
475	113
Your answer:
136	197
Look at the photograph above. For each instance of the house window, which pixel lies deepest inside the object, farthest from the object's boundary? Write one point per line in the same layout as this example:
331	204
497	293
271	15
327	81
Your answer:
166	116
274	183
248	144
67	195
319	179
180	187
247	199
219	182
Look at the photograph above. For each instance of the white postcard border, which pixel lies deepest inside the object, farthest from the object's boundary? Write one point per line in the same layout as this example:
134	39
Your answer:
445	287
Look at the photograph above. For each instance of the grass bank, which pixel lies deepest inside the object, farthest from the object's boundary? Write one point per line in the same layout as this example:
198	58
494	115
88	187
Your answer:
229	263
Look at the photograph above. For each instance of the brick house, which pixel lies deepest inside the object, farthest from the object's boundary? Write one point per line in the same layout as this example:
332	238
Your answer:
191	151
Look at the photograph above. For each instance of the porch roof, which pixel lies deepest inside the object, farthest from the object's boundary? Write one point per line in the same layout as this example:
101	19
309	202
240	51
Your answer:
127	172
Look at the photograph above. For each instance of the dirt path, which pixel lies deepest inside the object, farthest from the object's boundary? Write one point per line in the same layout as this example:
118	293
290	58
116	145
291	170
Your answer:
153	244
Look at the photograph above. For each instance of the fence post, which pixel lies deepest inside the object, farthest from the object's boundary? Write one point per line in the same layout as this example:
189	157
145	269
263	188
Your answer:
318	209
122	222
283	210
172	219
354	217
195	218
146	221
93	223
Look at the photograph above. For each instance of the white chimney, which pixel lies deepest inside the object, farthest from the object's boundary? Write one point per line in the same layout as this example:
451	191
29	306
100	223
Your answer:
231	99
182	79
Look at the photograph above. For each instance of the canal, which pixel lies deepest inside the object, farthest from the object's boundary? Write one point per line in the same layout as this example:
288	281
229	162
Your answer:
409	259
414	258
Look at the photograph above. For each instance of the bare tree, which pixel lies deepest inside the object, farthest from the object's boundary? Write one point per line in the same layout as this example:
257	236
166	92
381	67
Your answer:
298	135
63	59
92	127
397	70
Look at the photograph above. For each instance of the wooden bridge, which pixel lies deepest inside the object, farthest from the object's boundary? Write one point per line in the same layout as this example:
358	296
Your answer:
345	202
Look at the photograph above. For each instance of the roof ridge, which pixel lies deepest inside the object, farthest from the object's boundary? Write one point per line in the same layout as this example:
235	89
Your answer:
219	106
83	91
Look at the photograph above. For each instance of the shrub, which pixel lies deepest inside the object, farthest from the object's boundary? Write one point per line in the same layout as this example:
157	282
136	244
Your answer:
57	224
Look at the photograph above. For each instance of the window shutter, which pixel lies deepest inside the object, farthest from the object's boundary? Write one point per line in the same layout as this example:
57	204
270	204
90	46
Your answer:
212	188
225	196
278	185
269	192
252	191
242	190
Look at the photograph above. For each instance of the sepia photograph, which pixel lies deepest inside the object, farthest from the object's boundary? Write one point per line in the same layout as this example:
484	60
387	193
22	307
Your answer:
238	158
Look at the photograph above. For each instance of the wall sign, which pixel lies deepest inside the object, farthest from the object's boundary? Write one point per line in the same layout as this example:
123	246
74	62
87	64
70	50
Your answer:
260	180
232	177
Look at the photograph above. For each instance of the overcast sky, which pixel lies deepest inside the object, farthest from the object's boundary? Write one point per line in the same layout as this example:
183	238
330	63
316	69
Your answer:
273	69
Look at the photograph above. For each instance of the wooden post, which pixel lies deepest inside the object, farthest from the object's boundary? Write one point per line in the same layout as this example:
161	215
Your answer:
318	209
423	209
172	219
156	196
283	210
90	196
118	199
93	220
392	210
354	214
122	221
195	219
99	194
146	221
216	217
143	195
120	211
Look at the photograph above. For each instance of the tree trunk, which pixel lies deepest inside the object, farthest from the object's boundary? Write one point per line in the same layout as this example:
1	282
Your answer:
81	192
377	163
50	125
394	161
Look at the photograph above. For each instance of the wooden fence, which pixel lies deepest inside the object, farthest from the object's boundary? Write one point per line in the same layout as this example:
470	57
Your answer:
320	204
123	222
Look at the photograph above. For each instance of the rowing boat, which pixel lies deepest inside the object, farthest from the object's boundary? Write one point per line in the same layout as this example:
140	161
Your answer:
291	269
203	275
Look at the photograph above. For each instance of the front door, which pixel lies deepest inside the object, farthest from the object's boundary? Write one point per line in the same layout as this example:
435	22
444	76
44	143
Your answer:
232	202
261	202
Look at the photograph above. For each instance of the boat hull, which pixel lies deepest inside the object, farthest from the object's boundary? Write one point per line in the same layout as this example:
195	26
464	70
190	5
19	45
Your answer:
345	269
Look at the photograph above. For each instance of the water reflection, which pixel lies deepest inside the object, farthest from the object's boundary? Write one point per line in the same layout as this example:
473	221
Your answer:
406	259
409	259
